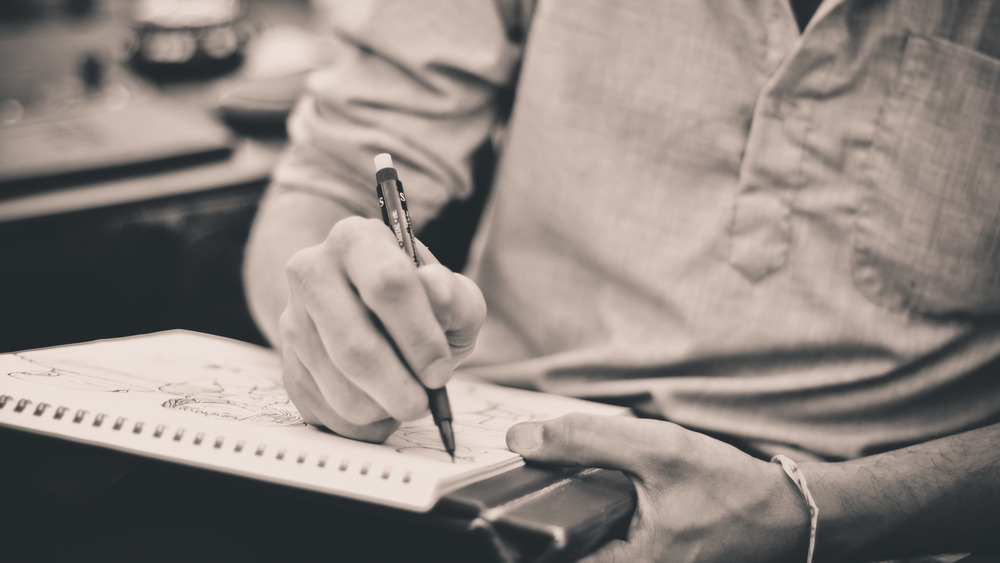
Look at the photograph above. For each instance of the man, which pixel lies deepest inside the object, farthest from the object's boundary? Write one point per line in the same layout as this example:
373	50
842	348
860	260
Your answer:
781	235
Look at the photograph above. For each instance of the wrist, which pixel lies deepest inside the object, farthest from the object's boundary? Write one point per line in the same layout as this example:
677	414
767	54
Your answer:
848	519
796	522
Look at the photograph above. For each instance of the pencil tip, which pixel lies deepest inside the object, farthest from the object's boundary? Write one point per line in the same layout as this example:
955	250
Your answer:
448	437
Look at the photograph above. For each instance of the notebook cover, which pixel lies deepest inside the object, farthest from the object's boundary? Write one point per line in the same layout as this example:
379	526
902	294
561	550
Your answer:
531	514
544	514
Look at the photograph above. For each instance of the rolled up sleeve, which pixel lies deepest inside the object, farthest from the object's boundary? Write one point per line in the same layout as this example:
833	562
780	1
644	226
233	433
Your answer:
419	79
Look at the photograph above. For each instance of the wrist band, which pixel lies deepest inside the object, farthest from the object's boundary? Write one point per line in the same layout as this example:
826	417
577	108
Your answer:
795	474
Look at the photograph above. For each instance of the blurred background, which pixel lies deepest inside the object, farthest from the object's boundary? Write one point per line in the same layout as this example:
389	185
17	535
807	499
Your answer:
136	138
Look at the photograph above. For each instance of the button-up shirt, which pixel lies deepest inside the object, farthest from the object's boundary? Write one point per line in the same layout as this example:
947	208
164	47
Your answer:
787	237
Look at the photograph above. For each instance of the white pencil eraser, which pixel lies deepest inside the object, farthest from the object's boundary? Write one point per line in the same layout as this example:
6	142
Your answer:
383	160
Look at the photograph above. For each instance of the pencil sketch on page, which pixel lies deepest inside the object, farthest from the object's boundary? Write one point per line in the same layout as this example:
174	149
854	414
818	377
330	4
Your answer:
239	392
481	423
247	388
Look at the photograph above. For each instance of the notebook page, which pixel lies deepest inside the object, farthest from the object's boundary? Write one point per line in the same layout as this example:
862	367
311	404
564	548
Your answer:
216	403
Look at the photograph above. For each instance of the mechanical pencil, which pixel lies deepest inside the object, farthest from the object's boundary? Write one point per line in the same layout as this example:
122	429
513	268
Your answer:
392	202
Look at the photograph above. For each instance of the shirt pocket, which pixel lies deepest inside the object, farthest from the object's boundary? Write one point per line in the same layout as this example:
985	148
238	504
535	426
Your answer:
927	231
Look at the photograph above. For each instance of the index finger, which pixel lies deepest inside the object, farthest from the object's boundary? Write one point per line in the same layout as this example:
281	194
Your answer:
387	282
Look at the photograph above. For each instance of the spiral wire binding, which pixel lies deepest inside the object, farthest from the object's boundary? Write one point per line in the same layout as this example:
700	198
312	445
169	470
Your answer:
160	430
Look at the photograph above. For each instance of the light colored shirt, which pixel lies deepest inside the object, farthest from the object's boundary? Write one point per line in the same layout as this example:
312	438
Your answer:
698	211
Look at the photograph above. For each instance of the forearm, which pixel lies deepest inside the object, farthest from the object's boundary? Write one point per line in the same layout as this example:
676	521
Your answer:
938	497
286	223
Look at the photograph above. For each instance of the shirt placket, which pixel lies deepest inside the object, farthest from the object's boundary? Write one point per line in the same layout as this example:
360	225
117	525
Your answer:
770	174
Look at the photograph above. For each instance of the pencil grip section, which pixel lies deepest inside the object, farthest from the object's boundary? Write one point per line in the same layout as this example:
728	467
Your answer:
392	202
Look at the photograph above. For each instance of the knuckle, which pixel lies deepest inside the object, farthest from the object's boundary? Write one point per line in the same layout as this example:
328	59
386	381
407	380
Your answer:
572	421
289	328
409	406
679	443
300	267
372	431
376	432
348	231
358	354
360	411
347	227
358	417
391	279
568	429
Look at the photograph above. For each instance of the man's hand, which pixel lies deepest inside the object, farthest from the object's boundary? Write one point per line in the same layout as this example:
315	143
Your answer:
362	320
699	499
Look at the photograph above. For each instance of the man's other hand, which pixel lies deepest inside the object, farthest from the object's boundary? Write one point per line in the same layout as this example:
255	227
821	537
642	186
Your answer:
699	499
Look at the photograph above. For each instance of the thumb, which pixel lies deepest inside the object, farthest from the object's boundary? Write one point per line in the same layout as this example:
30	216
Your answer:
611	442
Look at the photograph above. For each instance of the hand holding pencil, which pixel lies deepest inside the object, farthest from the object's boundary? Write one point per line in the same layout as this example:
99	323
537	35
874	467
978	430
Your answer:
366	333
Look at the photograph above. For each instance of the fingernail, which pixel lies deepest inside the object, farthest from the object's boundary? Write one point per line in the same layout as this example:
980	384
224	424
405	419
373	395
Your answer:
438	373
524	437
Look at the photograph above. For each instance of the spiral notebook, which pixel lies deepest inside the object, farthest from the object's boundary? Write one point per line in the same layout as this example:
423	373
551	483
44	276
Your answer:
216	403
